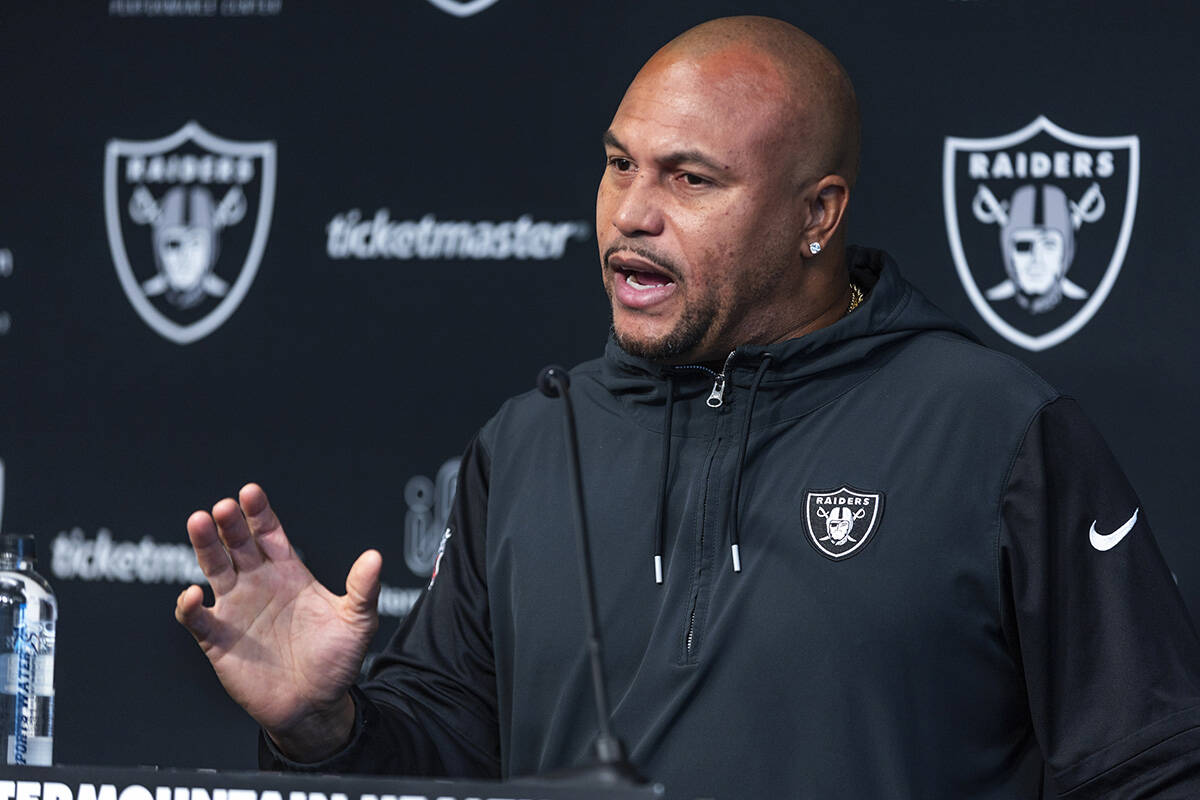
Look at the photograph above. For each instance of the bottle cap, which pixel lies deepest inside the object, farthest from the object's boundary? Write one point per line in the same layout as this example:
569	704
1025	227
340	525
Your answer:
18	547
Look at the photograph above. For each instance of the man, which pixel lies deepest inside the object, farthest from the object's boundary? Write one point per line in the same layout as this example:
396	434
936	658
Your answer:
996	607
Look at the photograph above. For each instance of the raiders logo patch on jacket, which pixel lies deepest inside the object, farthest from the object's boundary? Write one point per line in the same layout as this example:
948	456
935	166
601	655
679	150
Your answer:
841	521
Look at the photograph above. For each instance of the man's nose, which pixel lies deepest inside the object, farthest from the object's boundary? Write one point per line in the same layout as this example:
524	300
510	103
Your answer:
638	211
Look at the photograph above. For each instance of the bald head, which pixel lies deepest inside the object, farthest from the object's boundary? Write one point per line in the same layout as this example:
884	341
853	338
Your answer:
801	85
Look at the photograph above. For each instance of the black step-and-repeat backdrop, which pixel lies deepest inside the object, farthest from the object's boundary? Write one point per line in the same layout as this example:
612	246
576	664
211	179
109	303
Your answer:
316	244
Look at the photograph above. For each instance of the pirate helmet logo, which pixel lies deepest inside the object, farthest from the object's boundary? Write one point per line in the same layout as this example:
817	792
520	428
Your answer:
186	231
175	209
1061	203
841	521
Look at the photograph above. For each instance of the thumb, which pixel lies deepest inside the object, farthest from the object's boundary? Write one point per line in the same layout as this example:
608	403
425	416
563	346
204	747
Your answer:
362	585
191	613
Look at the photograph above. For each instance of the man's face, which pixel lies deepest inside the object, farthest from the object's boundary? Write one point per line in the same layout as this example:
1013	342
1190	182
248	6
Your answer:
698	214
1037	259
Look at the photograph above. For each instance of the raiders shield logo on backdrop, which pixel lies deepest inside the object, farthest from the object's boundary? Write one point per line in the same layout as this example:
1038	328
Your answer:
842	521
1039	221
188	217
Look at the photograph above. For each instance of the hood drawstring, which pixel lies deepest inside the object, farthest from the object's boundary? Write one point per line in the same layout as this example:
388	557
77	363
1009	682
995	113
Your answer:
664	472
741	463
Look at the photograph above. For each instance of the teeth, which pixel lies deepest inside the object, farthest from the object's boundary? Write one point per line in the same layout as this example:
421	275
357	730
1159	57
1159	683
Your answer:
631	279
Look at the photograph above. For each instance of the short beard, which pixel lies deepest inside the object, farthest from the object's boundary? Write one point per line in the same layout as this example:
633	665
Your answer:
683	340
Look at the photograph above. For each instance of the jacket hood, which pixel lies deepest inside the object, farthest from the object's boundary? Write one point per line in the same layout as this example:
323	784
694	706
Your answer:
892	311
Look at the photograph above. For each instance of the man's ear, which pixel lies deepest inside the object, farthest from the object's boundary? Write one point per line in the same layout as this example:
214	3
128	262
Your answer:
825	205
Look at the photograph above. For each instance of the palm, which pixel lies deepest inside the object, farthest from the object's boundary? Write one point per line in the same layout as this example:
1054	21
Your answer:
279	628
285	648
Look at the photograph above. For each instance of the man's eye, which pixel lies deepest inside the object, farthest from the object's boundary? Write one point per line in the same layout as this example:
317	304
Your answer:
694	180
620	164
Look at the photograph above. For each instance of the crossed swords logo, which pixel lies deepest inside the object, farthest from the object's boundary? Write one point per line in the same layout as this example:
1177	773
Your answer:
989	210
144	209
839	528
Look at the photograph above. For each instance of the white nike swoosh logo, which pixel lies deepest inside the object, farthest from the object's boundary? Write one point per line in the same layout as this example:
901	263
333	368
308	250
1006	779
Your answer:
1107	541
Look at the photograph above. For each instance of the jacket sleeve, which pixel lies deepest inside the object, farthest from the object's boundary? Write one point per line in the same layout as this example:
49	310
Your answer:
1110	657
429	705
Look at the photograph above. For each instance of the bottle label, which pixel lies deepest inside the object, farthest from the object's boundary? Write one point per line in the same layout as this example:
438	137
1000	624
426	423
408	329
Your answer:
29	640
26	645
39	751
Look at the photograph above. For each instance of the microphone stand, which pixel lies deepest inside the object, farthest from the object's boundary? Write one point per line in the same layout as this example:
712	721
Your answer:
611	767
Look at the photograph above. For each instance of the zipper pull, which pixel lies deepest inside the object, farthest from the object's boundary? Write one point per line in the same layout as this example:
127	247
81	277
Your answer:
717	396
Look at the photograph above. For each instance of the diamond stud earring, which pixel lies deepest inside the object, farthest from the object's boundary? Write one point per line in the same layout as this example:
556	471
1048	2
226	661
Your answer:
814	248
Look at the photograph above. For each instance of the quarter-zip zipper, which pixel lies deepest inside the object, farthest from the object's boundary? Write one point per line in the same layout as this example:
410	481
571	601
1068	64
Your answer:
690	634
716	398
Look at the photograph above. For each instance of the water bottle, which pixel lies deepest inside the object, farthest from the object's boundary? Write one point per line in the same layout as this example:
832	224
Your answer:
12	618
29	651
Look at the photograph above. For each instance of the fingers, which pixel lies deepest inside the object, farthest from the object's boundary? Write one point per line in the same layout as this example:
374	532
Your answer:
191	613
362	585
263	523
235	533
210	553
235	538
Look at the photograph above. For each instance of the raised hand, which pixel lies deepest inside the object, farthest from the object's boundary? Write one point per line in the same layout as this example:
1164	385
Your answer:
284	647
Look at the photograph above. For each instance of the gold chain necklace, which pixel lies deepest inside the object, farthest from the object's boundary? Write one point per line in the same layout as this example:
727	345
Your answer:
856	297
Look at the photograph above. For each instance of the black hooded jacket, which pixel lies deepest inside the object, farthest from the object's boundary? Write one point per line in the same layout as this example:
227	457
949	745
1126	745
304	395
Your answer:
943	585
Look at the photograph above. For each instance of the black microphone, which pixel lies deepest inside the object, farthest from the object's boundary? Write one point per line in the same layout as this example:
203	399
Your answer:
612	766
548	379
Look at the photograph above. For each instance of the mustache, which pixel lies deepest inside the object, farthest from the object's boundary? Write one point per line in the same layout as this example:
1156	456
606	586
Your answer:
657	259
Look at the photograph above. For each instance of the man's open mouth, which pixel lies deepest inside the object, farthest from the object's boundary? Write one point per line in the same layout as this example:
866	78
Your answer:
640	273
639	284
645	280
